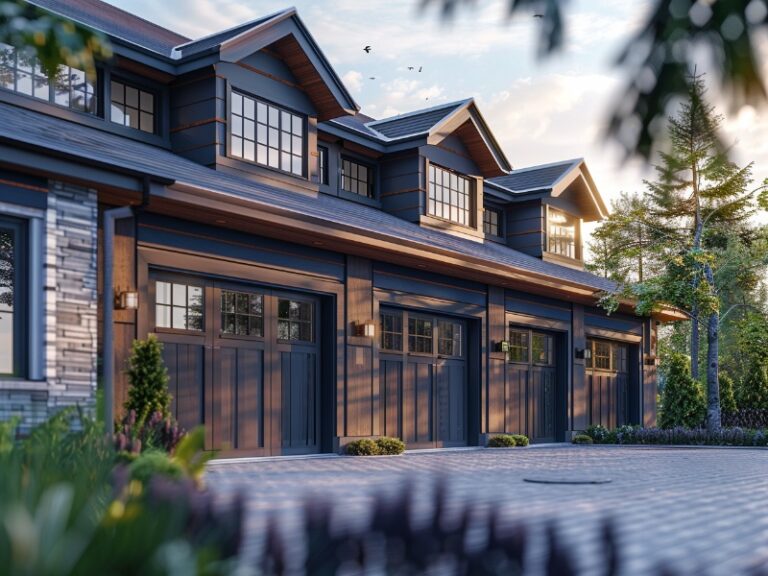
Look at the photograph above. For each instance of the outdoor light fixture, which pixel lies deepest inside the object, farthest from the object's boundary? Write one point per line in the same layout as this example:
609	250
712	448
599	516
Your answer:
588	354
367	329
502	346
128	301
583	353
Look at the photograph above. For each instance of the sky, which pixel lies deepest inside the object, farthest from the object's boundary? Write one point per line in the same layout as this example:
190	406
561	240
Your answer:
540	110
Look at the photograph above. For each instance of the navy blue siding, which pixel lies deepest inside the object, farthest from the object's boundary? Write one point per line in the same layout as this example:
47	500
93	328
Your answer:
621	323
524	227
540	306
402	186
396	278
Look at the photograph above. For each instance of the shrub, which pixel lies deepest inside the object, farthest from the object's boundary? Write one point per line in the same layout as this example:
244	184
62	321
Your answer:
599	434
148	380
753	389
521	439
152	463
727	398
155	433
502	441
683	402
582	439
363	447
390	446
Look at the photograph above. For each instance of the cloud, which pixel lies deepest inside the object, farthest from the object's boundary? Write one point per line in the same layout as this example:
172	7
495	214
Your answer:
353	80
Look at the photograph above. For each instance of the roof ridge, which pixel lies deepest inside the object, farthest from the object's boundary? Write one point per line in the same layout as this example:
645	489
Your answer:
453	104
254	22
570	162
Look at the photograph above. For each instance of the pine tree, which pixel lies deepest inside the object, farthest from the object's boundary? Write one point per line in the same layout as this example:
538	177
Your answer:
683	399
148	380
752	391
727	398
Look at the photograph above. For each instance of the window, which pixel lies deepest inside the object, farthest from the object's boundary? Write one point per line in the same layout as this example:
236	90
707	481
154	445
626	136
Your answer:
294	320
492	222
20	71
132	107
419	335
391	331
518	346
323	165
601	355
449	196
562	233
541	349
266	134
607	356
12	328
178	306
356	178
242	314
449	338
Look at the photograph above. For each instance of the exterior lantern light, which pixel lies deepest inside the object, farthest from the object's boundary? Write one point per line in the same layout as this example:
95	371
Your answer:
366	329
128	300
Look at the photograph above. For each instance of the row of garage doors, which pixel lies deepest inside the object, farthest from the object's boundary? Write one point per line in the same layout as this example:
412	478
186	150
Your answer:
248	363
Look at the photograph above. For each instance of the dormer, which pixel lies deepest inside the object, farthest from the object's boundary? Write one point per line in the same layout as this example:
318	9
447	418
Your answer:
430	164
540	210
248	100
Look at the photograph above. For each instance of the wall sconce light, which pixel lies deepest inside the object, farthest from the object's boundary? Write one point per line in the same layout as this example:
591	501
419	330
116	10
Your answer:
502	346
650	360
583	353
128	301
366	329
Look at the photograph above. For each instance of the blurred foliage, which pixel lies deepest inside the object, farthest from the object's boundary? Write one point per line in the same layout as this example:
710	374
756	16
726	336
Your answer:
659	58
158	432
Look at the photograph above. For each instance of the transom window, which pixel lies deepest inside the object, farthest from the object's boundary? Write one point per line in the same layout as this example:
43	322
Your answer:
356	178
242	313
266	134
449	338
322	152
295	320
492	222
518	346
391	331
607	355
178	306
131	106
449	196
420	335
11	297
562	233
20	71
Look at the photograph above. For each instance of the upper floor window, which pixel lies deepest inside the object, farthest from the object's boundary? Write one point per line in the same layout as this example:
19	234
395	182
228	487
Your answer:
12	332
356	178
20	71
266	134
322	152
132	107
449	196
492	222
561	233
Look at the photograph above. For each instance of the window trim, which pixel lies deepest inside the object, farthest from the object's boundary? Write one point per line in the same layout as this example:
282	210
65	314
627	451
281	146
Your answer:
323	170
472	197
282	108
577	249
21	312
612	347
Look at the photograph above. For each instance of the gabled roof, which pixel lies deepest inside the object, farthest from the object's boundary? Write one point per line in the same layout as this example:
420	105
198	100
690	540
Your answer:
116	23
533	178
58	138
216	39
414	123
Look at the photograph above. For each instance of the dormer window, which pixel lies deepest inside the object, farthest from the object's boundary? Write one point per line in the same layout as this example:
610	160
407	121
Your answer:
356	178
562	233
449	196
265	134
492	221
132	107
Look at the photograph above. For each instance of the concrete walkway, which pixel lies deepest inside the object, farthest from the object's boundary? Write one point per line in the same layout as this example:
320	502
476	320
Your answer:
699	511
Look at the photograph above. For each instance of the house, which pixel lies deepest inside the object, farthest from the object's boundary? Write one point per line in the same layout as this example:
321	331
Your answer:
315	275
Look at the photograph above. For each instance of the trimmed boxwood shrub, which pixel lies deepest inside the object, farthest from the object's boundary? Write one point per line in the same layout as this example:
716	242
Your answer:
683	402
582	439
521	439
363	447
600	434
390	446
507	441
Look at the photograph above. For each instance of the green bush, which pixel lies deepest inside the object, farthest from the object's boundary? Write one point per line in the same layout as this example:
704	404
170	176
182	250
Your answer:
683	402
600	434
502	441
390	446
727	397
582	439
752	392
152	463
363	447
148	380
521	440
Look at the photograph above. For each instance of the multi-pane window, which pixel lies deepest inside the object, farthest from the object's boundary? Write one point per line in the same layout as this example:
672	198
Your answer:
449	338
542	349
132	107
420	335
322	152
492	222
449	196
601	355
266	134
391	331
562	233
356	178
11	294
607	355
518	346
242	313
295	320
178	306
20	71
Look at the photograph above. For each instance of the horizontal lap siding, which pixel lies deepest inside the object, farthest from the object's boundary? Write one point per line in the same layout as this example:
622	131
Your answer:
539	307
402	186
397	279
594	318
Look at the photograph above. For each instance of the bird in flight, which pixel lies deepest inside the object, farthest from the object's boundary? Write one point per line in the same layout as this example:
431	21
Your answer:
367	49
410	67
538	15
420	68
372	78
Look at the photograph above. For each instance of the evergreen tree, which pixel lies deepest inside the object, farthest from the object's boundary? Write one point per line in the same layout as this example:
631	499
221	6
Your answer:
752	391
148	380
682	401
727	398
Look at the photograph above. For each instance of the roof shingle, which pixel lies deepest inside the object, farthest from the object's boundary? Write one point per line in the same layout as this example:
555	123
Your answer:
414	123
535	177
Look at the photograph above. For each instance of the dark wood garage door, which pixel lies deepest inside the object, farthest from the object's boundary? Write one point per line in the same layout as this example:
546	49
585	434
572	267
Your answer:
423	378
608	381
531	383
242	360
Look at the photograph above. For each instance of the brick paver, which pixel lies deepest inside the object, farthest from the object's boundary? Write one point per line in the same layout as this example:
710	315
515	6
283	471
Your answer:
698	510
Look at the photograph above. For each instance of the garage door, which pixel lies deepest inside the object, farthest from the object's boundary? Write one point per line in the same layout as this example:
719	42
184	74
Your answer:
242	360
608	381
423	378
531	383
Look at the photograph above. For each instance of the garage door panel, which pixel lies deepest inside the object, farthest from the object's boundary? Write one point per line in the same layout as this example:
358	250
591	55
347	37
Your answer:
516	385
391	381
422	386
250	399
451	403
186	368
298	381
608	382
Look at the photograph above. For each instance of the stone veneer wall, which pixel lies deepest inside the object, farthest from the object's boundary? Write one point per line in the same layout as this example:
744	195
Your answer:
70	294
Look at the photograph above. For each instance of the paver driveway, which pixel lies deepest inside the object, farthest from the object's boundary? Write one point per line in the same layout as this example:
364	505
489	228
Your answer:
699	510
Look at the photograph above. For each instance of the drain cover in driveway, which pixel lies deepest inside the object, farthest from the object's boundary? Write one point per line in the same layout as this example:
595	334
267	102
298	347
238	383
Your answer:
566	480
